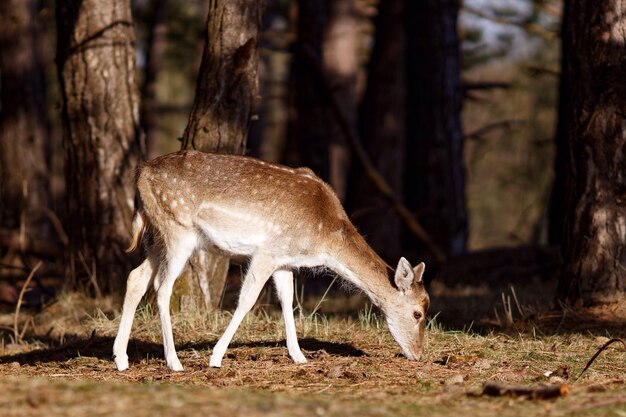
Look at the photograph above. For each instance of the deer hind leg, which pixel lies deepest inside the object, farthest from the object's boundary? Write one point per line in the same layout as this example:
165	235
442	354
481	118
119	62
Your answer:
283	280
259	271
178	252
138	282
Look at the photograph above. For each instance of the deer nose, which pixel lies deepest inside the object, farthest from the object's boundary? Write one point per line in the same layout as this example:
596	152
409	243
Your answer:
418	351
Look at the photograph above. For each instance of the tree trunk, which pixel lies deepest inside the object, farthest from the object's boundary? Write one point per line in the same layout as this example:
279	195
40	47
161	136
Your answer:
595	223
24	146
435	180
155	53
102	140
326	33
556	207
340	65
226	89
383	129
308	131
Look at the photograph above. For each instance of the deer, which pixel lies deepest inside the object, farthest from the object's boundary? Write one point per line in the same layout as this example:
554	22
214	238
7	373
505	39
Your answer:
281	219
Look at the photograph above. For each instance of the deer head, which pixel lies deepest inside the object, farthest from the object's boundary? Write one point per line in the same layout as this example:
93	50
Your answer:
406	310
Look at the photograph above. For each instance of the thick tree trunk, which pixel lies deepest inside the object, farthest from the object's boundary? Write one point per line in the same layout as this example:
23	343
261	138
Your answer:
24	146
382	122
226	89
595	225
103	145
435	180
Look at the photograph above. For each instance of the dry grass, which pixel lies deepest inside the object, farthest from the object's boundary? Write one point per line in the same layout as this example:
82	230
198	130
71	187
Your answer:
354	367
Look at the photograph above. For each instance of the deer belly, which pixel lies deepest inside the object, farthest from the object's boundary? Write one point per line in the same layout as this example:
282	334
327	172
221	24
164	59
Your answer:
235	232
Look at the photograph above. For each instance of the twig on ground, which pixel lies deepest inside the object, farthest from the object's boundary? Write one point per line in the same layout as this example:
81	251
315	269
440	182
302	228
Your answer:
602	349
92	274
540	392
18	335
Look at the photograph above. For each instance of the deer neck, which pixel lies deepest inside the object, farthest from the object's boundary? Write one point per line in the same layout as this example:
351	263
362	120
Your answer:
360	264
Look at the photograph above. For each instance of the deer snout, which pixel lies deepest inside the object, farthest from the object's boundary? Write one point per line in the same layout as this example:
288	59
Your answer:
413	353
414	356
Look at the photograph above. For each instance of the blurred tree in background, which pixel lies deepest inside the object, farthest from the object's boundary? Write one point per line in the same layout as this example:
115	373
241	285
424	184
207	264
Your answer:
24	135
324	57
382	126
155	54
434	167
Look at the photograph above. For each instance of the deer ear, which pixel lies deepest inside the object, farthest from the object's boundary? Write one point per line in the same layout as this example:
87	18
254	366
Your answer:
419	271
404	275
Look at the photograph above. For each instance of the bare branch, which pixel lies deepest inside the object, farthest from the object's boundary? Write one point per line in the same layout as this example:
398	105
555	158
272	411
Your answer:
500	124
484	85
535	70
552	9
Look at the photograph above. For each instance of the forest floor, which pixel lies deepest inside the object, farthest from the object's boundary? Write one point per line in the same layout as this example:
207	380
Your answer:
63	366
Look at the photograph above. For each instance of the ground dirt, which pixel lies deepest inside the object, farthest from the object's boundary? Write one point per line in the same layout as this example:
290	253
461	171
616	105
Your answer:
63	366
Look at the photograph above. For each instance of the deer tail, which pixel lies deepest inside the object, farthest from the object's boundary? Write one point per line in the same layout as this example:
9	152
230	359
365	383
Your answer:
139	225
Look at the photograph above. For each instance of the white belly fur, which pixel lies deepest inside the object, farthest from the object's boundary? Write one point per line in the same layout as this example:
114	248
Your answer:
233	232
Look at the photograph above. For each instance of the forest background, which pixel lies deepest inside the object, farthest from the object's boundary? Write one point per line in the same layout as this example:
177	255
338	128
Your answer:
439	125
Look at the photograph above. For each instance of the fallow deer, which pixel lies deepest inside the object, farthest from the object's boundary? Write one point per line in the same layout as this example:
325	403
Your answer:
278	217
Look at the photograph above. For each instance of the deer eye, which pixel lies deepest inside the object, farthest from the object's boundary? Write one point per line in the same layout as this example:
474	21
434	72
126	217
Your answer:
417	315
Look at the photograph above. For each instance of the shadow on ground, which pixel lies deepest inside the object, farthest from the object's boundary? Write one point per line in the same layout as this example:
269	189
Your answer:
101	347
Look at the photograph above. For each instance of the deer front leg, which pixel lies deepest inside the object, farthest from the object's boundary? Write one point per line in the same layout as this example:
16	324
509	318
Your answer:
136	286
283	280
259	272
